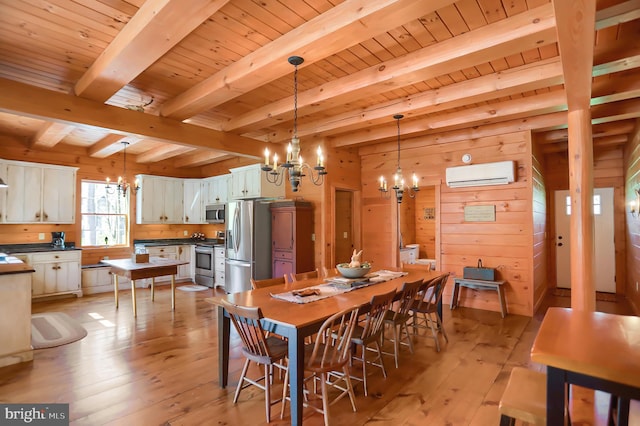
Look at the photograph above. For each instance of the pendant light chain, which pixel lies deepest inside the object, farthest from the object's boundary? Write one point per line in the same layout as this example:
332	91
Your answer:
295	102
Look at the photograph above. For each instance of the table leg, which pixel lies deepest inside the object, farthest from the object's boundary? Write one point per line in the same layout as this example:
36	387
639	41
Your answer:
556	396
503	302
115	287
133	297
454	295
153	289
296	376
173	292
623	411
439	307
224	329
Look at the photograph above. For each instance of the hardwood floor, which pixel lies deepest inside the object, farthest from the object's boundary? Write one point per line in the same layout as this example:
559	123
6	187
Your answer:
161	369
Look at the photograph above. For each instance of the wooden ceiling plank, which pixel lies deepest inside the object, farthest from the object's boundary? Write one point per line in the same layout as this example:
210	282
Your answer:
51	134
138	46
335	30
72	109
431	61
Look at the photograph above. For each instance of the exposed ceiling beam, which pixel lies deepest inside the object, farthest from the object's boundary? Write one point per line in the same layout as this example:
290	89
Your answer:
106	146
16	99
527	30
597	143
50	134
162	153
618	14
199	159
600	130
341	27
138	44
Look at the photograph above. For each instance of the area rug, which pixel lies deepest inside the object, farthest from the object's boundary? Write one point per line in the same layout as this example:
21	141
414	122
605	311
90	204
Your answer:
54	329
193	287
602	297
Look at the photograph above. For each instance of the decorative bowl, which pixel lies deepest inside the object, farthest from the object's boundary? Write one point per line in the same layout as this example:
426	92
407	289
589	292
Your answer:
348	272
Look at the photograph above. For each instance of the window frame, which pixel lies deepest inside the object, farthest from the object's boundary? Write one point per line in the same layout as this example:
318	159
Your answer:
126	215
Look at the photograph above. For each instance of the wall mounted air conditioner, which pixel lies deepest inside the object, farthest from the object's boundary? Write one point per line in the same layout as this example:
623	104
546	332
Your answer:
500	173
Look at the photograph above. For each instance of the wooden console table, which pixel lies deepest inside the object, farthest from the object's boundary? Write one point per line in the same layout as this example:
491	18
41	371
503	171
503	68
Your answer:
156	267
478	285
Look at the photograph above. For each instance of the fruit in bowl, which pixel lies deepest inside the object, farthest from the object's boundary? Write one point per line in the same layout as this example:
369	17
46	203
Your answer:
353	272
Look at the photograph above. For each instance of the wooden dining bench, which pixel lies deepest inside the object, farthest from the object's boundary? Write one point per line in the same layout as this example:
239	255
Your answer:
525	398
478	285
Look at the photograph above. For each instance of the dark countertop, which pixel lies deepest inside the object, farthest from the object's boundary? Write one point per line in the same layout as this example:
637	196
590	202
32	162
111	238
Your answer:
175	242
35	248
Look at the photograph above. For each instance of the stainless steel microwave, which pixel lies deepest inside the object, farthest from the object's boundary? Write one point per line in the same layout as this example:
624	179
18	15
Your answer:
214	213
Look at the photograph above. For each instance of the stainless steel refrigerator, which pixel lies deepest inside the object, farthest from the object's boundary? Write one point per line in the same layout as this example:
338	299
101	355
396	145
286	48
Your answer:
248	241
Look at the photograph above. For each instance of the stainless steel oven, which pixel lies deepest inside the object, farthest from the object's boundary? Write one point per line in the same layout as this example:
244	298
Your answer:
204	265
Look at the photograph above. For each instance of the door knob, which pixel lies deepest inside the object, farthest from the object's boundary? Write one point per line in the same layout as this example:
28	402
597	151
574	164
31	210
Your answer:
559	244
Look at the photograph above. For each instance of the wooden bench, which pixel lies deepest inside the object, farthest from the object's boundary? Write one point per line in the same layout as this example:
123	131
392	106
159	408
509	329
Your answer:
478	285
525	398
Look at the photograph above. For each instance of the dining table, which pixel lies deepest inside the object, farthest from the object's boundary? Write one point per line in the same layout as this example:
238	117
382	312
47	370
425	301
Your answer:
155	267
595	350
296	321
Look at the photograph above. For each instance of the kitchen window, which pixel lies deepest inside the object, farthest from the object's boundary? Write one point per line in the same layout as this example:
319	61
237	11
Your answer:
105	215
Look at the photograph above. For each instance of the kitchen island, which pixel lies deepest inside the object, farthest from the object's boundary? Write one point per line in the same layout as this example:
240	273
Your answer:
15	311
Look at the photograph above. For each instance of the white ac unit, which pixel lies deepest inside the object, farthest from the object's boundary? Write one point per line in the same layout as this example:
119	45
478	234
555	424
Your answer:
500	173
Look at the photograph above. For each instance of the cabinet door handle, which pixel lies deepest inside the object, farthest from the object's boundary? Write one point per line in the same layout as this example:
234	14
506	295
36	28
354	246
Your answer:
46	216
37	215
186	218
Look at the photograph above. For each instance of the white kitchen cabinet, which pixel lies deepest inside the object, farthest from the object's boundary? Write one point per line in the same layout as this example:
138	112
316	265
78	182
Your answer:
38	193
56	273
217	189
186	272
160	200
218	266
251	182
193	201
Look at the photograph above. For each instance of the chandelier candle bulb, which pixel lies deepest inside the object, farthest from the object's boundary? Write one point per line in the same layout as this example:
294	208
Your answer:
266	156
415	181
275	161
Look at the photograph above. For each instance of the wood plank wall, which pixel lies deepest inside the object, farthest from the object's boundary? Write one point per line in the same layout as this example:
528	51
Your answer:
632	245
609	171
425	227
540	231
505	244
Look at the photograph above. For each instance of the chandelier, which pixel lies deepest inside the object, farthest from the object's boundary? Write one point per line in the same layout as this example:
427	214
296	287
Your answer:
123	186
399	185
293	166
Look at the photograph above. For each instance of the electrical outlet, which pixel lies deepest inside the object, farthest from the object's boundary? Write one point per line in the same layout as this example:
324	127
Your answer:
345	235
41	236
105	258
185	232
313	237
636	286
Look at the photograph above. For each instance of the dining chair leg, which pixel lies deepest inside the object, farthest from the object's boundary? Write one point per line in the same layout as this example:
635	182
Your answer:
396	342
285	388
364	369
434	332
352	396
267	390
441	328
406	330
245	367
384	371
325	398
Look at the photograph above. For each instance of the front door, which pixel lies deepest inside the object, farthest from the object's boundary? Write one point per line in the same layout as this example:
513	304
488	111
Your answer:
605	279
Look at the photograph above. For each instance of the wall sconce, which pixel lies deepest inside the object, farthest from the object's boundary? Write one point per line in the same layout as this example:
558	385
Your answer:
634	205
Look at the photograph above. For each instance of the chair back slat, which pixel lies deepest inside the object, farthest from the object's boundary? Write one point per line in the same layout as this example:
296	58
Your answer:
246	320
374	322
267	282
305	275
430	293
408	295
332	345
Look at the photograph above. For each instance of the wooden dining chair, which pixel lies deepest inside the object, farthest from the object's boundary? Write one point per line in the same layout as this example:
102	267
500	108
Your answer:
258	348
329	354
267	282
370	333
305	275
398	318
326	272
424	310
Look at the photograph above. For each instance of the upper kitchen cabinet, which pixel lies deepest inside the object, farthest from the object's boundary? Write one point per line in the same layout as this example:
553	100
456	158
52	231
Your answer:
251	182
160	200
217	189
194	190
38	193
